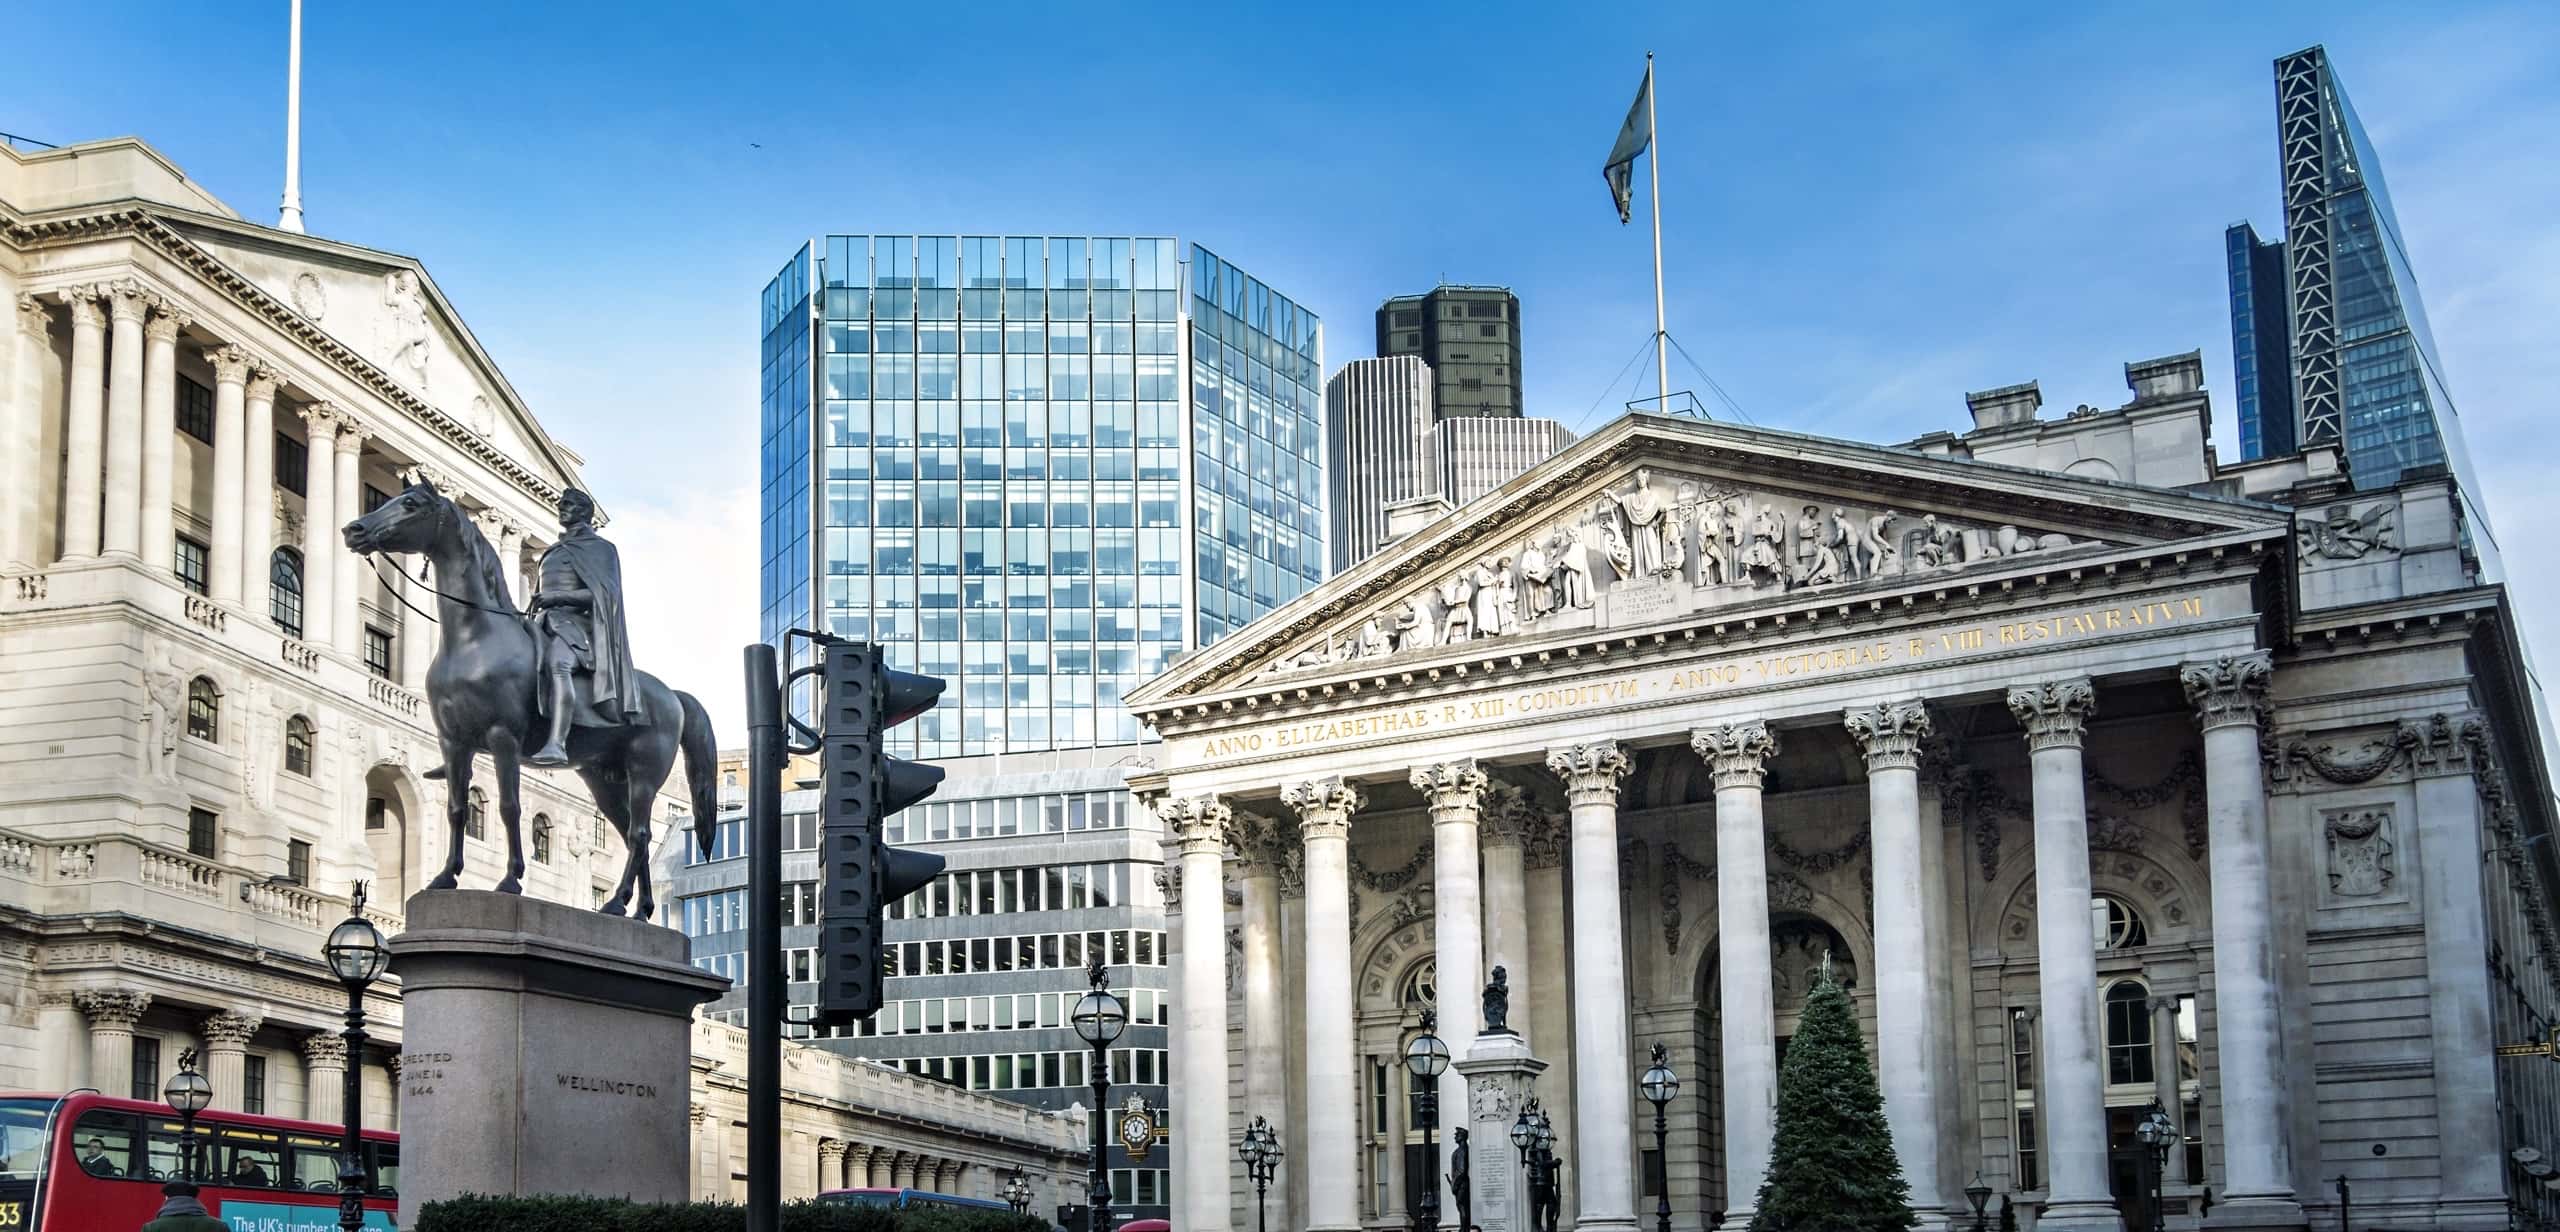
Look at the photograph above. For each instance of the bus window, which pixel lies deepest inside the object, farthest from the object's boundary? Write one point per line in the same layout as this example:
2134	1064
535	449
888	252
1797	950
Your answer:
102	1143
315	1164
22	1137
161	1161
386	1168
246	1158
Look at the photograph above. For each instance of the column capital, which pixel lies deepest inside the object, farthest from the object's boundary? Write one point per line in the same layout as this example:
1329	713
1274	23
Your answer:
351	433
87	305
1453	789
2055	712
860	1151
1737	754
1507	815
322	418
262	381
1258	844
1200	822
1324	806
1591	771
830	1148
165	322
2229	691
230	364
112	1009
229	1029
33	317
128	301
1890	732
325	1048
391	1061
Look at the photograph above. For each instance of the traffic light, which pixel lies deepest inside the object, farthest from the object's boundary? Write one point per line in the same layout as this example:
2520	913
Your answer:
861	787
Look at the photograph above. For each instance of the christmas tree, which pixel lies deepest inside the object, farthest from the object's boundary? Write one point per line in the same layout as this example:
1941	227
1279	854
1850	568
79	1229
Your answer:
1831	1162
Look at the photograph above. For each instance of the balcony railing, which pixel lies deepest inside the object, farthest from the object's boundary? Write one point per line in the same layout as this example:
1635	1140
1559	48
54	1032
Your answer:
392	697
116	872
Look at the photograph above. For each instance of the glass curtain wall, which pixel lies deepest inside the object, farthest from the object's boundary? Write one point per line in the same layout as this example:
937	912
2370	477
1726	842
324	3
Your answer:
1257	489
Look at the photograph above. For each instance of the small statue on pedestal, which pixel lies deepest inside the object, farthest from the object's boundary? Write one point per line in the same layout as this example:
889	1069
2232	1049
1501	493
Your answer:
1497	1003
1458	1180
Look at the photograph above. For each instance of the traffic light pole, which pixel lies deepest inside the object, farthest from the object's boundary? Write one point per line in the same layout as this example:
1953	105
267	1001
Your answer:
765	991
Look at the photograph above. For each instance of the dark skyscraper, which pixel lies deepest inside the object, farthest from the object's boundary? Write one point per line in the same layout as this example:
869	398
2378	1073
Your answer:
2364	369
1471	338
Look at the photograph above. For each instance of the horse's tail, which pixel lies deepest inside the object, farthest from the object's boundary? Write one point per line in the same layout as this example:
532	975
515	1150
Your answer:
701	769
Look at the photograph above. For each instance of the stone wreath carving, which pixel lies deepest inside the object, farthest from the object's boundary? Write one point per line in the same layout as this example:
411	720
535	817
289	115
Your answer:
1819	862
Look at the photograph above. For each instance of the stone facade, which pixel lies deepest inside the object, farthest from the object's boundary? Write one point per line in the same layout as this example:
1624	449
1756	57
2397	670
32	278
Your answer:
2102	772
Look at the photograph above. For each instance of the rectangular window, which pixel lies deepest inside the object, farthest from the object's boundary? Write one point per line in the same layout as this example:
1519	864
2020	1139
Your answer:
377	651
190	564
146	1067
203	825
253	1085
377	813
297	861
293	460
2028	1176
195	410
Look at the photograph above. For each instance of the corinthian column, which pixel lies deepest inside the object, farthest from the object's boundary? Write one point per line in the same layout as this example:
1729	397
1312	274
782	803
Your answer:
1504	836
1266	1038
1200	823
160	437
1454	791
230	472
347	625
1737	757
1548	987
319	523
2072	1090
111	1017
22	468
226	1040
258	491
1324	807
324	1070
2257	1161
127	305
1906	1043
1602	1082
84	427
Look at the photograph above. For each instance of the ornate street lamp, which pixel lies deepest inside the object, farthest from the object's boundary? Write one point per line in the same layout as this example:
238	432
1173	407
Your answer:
1099	1019
1979	1195
1017	1193
1660	1086
2155	1133
188	1094
1261	1152
1550	1174
1427	1057
357	957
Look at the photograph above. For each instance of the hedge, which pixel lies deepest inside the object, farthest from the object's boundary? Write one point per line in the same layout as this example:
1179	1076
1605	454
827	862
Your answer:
473	1213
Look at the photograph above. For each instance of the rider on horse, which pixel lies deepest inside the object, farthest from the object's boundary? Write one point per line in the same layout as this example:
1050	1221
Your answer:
586	653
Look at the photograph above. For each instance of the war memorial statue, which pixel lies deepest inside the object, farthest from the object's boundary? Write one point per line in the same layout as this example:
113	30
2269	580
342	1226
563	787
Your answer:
555	679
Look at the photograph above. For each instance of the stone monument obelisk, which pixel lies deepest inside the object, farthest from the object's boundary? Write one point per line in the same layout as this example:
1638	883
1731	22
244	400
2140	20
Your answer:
1500	1074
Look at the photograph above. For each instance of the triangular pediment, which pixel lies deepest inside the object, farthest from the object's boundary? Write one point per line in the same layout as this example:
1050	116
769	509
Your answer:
1657	522
385	309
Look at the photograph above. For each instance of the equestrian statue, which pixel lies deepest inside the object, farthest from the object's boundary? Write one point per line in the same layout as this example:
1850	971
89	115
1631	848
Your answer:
555	679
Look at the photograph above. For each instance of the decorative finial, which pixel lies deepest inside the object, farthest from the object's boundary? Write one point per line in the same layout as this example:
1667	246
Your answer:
1661	1054
356	907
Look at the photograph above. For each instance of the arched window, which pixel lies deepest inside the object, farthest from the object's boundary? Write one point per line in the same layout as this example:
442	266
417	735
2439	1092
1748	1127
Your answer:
204	710
475	818
284	590
1421	990
541	839
297	745
2128	1033
2116	923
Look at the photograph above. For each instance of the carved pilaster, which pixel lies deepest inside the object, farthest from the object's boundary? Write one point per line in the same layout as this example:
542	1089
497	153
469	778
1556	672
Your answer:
1591	771
112	1009
1737	754
1453	790
228	1029
2229	690
2056	712
33	318
1324	806
1890	732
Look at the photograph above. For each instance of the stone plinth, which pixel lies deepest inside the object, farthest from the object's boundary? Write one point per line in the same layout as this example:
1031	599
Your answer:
1500	1076
546	1051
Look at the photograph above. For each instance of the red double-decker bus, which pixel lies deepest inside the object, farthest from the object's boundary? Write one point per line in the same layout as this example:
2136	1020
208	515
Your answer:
89	1163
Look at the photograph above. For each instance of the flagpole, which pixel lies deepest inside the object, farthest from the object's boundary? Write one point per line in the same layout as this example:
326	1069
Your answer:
290	217
1661	335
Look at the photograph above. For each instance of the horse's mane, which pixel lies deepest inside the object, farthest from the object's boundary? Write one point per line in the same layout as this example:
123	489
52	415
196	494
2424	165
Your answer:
484	558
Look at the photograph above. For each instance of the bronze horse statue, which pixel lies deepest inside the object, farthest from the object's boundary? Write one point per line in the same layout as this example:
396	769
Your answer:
483	686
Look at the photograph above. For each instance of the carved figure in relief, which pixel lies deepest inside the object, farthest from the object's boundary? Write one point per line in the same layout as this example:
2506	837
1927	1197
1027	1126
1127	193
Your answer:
1878	545
1843	541
406	351
2340	533
1613	538
1649	530
1490	607
1537	582
164	700
1715	553
1413	626
1817	563
1573	571
1937	546
1457	604
1373	639
1762	560
1506	597
262	741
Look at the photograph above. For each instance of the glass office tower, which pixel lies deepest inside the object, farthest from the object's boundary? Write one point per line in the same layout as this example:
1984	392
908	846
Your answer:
1037	467
2261	342
2364	367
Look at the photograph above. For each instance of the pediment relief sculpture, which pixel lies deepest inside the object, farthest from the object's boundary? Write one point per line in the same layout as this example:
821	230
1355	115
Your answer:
2345	532
1656	546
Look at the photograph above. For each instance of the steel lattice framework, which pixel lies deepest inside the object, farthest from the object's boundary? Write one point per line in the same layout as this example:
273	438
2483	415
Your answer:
2302	118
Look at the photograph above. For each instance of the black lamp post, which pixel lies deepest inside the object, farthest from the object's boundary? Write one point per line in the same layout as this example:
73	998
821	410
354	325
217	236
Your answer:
1524	1135
1550	1173
188	1094
1979	1195
1261	1152
1660	1086
1017	1193
1099	1019
2155	1133
1427	1057
356	956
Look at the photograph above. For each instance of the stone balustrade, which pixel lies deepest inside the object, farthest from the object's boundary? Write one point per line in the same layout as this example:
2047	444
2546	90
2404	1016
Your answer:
206	612
287	901
67	877
184	874
392	697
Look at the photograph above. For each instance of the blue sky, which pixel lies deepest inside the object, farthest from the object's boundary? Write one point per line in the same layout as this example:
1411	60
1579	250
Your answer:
1869	211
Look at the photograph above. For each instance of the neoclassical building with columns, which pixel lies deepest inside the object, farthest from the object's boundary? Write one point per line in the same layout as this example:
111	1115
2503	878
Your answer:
2103	771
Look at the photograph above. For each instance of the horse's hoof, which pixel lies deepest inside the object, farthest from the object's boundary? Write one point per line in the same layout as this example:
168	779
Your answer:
446	882
611	908
510	886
